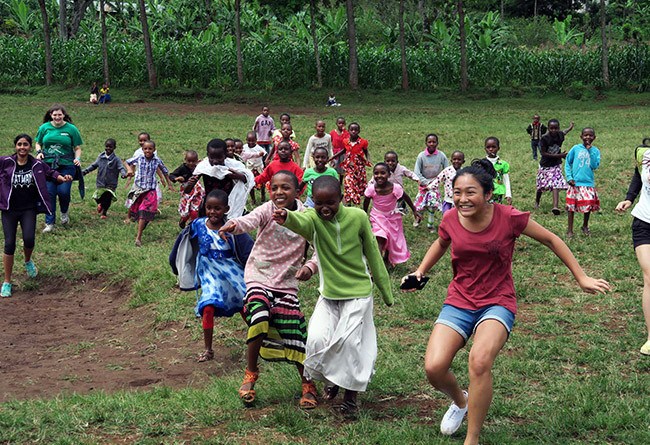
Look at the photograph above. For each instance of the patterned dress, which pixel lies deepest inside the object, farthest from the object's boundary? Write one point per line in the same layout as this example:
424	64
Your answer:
220	275
355	163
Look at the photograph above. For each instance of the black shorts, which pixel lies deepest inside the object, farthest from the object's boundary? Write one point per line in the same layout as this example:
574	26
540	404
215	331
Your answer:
640	232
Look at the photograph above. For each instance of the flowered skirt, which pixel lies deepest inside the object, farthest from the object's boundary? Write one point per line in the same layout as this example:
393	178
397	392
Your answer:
582	199
145	205
355	182
427	199
550	178
277	318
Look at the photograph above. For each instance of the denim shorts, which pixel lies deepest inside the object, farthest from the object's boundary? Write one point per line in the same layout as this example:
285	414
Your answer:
465	321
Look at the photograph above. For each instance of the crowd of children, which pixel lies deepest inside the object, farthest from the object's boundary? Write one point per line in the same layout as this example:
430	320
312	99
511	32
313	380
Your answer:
315	204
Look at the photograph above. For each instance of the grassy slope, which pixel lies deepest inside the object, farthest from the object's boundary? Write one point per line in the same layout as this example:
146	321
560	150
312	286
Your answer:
569	374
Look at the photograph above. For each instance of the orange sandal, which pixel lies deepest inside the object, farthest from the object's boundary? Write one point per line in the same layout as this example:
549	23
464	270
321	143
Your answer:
248	395
307	402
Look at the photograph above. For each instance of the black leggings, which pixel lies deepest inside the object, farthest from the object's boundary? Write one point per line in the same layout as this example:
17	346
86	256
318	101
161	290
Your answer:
105	201
10	219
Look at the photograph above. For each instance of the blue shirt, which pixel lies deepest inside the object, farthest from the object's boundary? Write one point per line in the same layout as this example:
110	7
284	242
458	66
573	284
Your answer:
145	174
580	165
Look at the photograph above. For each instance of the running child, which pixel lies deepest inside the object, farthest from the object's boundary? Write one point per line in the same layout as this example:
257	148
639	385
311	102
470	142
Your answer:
446	178
285	118
220	265
190	203
481	298
549	175
318	140
109	166
341	340
502	168
253	155
276	325
339	134
283	162
582	196
142	138
535	130
357	158
143	192
385	218
264	127
320	155
285	136
429	163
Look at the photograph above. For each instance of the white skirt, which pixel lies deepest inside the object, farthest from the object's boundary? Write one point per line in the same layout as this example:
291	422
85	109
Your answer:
342	343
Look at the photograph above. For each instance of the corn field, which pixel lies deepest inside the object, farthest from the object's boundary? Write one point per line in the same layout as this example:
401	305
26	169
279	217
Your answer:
190	62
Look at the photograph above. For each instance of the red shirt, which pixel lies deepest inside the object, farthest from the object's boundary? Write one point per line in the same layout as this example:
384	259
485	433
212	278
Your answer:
355	148
482	262
276	166
337	140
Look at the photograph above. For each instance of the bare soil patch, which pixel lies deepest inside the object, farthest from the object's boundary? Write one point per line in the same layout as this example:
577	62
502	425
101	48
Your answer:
81	337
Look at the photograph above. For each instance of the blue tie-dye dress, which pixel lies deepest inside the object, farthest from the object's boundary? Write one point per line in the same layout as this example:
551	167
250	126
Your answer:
220	275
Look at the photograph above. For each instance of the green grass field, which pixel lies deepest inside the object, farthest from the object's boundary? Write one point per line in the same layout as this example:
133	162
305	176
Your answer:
570	373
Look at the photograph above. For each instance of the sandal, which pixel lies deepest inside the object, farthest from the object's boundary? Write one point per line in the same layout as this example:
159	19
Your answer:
205	356
331	392
555	211
306	402
248	395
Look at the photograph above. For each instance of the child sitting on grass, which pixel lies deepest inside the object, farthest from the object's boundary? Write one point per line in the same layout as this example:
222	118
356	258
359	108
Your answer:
109	167
341	340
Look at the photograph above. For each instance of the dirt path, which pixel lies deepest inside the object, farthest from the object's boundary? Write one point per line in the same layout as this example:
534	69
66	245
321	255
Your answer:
80	337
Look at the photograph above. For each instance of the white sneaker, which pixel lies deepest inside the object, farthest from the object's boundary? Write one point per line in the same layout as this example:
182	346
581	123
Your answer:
48	228
65	218
453	418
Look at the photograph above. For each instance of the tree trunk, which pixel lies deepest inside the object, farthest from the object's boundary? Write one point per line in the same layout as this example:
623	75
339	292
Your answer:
63	29
208	12
48	46
463	48
402	47
603	36
78	13
501	9
102	14
151	69
314	38
240	63
353	76
535	10
426	26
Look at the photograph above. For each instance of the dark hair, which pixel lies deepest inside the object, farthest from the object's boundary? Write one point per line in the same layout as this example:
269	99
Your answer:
589	128
53	108
285	114
145	134
459	152
238	140
228	139
482	170
644	142
291	175
150	141
431	134
320	148
492	138
218	194
381	164
553	121
328	183
340	118
191	152
111	142
216	144
23	136
354	123
392	152
251	133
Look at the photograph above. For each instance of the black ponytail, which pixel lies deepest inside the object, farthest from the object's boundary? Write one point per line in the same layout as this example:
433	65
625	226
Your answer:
483	171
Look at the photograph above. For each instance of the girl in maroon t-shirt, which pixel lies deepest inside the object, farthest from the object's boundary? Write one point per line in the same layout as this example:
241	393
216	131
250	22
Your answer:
481	297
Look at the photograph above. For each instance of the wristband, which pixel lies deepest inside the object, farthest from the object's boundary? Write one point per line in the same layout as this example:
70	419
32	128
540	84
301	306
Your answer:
77	159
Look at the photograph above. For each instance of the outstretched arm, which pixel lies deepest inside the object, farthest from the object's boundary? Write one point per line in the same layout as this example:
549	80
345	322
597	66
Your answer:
559	248
569	129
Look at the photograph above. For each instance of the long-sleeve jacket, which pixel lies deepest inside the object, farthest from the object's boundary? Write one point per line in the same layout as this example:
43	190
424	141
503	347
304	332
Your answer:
40	170
108	170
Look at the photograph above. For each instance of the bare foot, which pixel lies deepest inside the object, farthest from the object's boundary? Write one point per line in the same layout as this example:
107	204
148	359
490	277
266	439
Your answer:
138	243
586	231
569	235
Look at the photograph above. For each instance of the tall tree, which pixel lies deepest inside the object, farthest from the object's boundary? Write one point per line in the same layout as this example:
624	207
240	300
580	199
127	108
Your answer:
603	37
426	23
209	12
353	76
63	27
102	13
48	46
240	63
314	38
402	47
79	8
464	82
151	68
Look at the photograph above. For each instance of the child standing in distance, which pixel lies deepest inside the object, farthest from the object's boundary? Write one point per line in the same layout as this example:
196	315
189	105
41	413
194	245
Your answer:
264	127
318	140
219	267
357	158
429	163
109	167
549	175
473	228
320	155
446	177
253	154
285	136
339	134
581	196
239	148
283	162
190	203
143	191
285	118
385	219
502	168
276	325
536	130
341	340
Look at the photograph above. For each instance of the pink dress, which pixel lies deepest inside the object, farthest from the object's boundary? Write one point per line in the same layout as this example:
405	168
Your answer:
386	222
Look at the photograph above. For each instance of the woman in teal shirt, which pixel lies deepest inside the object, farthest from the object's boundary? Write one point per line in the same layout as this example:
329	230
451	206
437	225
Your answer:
58	145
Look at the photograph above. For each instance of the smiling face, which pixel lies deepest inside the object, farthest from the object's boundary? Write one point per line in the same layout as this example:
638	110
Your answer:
191	160
432	143
284	151
283	190
148	149
230	148
320	159
215	210
354	130
320	129
57	117
588	135
457	160
391	160
216	156
109	149
23	147
239	147
469	197
491	148
553	127
380	173
326	202
142	138
251	140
